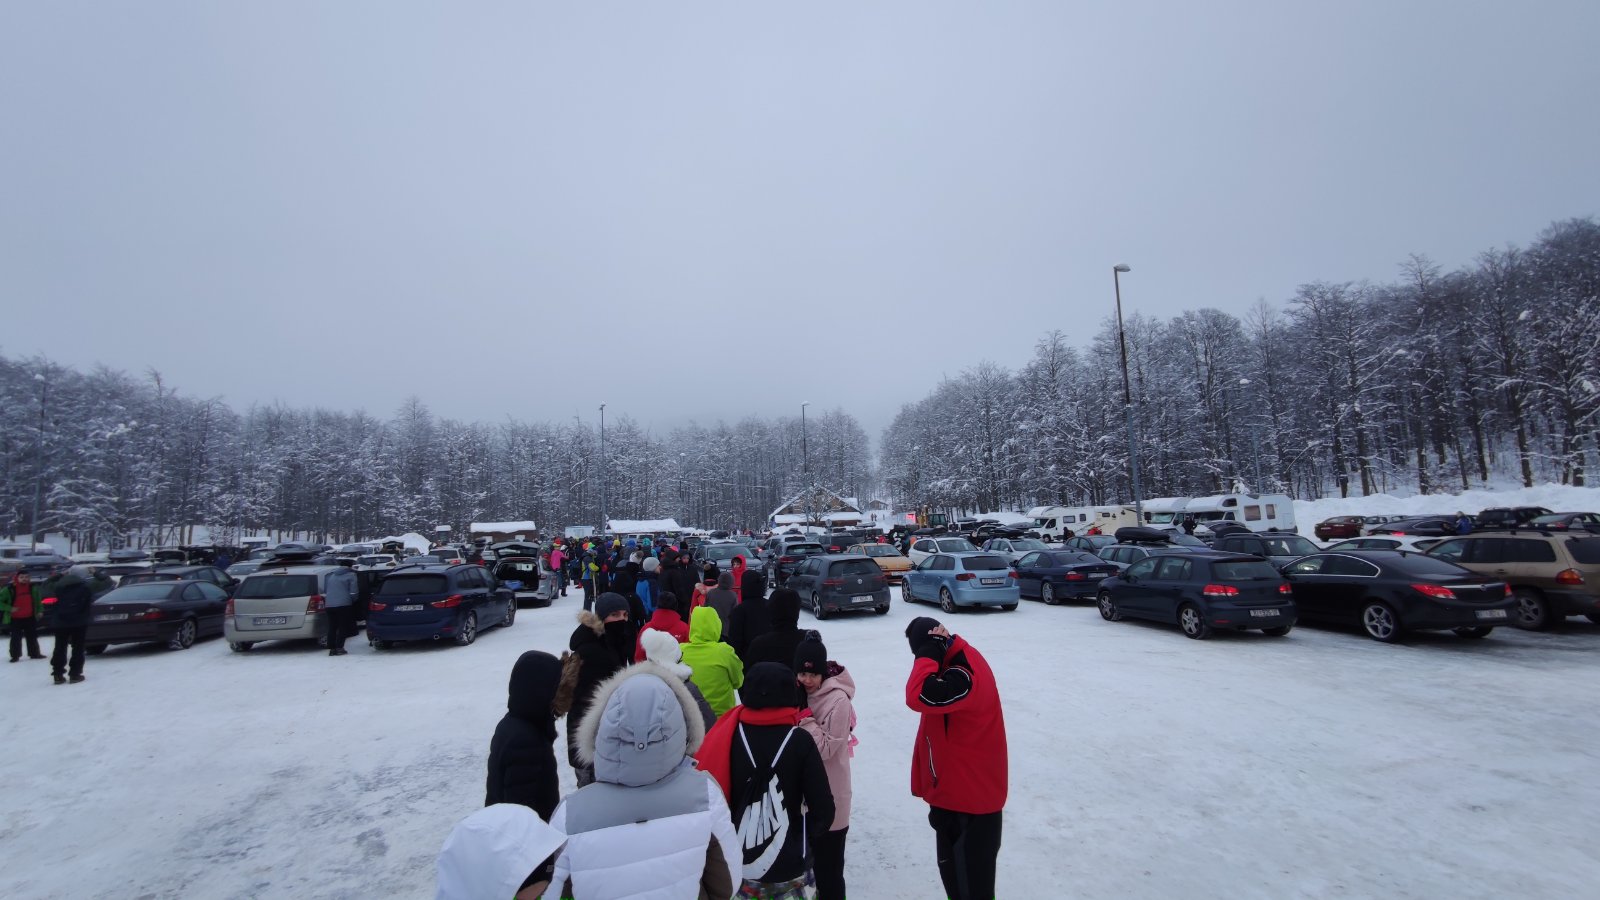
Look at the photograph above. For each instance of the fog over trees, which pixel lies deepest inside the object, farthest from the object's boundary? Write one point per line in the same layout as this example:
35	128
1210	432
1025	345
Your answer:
1435	381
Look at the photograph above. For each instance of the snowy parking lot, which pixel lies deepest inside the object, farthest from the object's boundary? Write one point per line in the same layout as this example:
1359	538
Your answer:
1143	764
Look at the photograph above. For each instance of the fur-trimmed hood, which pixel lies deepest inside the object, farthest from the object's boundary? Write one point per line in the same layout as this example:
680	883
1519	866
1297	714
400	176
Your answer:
587	618
641	726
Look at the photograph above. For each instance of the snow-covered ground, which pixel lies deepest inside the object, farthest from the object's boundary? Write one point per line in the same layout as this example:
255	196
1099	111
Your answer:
1143	764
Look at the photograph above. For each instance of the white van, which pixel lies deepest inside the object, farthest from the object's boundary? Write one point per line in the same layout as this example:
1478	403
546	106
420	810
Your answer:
1051	523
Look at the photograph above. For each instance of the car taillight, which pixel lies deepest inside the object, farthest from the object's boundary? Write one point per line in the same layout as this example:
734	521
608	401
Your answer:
315	603
446	603
1398	533
1219	590
1077	576
1569	576
1436	591
832	582
1013	574
1509	592
965	576
375	606
48	601
1286	588
149	615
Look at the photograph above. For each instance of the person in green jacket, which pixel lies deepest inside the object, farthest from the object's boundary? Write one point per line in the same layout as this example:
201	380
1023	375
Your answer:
717	670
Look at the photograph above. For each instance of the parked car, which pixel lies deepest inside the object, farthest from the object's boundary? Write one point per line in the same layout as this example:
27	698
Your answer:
956	580
172	612
923	547
520	576
890	560
1389	592
1201	591
279	604
1014	549
1056	575
837	582
118	571
1589	522
1122	556
840	541
1368	523
1497	518
449	556
722	554
1089	543
422	603
1387	542
207	574
989	528
1339	527
1277	547
782	566
1551	575
378	562
1418	526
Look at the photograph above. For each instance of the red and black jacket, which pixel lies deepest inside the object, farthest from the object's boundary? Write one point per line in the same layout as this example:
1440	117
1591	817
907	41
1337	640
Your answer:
960	758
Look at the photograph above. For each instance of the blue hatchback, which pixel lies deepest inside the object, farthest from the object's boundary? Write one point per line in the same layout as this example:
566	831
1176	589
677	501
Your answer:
436	602
954	580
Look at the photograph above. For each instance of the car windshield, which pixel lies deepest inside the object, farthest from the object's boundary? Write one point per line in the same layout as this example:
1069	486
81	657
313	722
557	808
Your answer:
1245	570
983	563
419	583
1585	552
271	587
955	545
804	549
374	560
135	593
1026	544
1420	565
1288	546
880	550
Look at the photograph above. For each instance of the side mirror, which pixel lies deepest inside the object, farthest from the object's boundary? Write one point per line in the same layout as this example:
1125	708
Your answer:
1131	579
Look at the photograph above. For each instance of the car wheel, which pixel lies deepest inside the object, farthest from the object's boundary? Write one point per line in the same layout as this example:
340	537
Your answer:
241	646
1480	631
905	593
1193	622
511	615
1108	607
1380	622
467	631
183	638
1048	594
95	649
1277	632
1533	610
1008	607
946	602
381	645
816	608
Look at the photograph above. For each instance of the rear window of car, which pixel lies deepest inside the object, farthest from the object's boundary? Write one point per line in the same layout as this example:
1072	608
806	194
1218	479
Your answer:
269	587
419	583
1426	565
144	577
1585	552
955	545
1289	546
855	567
1244	570
880	550
724	552
983	563
374	560
135	593
805	548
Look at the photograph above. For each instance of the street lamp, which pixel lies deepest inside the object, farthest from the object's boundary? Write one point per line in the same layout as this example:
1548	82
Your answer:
38	460
602	472
1127	394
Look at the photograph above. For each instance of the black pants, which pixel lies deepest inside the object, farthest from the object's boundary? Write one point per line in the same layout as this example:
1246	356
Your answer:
341	624
58	658
28	628
967	846
588	595
584	773
827	863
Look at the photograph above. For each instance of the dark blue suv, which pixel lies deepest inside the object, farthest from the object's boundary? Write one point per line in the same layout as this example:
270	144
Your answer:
435	602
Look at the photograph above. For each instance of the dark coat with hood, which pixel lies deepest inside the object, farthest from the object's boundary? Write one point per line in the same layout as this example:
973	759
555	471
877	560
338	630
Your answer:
522	757
680	579
602	649
779	643
73	600
752	618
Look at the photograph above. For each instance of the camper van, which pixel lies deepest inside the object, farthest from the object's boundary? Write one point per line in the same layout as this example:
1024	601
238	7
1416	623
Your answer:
1051	523
1264	512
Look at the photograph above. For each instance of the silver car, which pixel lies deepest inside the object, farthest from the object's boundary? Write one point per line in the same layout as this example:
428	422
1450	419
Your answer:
280	604
1013	549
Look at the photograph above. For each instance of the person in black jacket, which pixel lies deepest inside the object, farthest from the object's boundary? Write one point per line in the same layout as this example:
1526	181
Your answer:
604	642
522	756
779	643
69	618
752	617
680	578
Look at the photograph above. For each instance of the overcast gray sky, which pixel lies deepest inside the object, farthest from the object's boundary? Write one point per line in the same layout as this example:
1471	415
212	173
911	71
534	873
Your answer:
486	204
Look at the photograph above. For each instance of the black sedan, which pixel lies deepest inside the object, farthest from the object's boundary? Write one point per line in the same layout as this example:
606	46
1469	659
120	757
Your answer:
1390	592
1200	592
208	574
175	613
1089	543
1056	575
1419	526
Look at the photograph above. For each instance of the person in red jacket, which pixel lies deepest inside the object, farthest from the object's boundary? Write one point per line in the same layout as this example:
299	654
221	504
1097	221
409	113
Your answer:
666	618
959	763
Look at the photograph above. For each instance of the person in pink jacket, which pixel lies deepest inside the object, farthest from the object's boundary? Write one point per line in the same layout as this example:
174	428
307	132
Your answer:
829	720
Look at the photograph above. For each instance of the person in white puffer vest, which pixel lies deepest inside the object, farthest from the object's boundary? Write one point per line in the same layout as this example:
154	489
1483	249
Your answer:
651	826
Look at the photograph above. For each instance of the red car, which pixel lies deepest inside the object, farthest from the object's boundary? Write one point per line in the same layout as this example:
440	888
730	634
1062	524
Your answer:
1339	527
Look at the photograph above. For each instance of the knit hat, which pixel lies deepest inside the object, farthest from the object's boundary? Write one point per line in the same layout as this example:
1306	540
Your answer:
608	603
768	685
811	657
651	564
917	631
663	649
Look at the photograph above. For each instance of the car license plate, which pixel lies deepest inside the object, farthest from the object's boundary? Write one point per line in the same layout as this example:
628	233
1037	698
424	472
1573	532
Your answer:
409	607
992	580
1491	614
271	620
1263	613
111	617
862	598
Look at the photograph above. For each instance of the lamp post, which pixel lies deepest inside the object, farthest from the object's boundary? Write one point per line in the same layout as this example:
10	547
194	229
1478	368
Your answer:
38	460
1127	395
602	472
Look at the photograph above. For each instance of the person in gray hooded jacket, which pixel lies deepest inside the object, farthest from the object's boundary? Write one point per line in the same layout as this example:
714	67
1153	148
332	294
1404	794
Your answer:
651	824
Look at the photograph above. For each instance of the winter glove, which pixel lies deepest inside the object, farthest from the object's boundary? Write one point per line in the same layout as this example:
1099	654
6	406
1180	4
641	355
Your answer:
932	647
